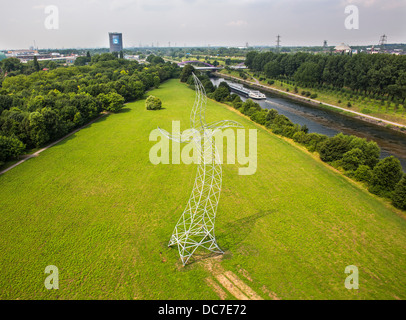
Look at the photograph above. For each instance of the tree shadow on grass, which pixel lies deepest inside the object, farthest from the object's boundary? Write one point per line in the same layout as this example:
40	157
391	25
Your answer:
124	110
162	108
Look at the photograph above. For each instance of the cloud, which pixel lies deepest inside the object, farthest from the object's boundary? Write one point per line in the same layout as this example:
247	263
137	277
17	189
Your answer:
40	6
364	3
121	4
199	22
237	23
377	4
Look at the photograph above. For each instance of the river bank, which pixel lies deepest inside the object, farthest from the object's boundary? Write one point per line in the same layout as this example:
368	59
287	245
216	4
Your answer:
319	104
329	121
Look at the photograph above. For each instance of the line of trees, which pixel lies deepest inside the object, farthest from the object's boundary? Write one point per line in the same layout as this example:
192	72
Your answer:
13	66
43	106
382	76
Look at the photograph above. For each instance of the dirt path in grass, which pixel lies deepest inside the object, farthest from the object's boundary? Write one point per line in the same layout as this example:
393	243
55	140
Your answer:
36	154
223	281
256	80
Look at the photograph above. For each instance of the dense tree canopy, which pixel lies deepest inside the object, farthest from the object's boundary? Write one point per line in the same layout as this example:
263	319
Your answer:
381	74
111	101
186	72
42	106
153	59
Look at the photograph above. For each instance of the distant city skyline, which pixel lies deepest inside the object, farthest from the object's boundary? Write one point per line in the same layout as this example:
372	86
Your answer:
86	23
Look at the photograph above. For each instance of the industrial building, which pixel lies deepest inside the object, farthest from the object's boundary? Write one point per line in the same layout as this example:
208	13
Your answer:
116	41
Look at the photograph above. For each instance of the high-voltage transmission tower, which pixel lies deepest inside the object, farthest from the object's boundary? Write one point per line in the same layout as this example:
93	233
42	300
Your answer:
278	43
325	46
195	228
382	42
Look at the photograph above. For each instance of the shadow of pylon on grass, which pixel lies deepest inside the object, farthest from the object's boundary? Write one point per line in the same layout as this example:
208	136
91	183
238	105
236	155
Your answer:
201	255
230	237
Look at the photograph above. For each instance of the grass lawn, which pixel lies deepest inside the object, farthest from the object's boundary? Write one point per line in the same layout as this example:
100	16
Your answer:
95	207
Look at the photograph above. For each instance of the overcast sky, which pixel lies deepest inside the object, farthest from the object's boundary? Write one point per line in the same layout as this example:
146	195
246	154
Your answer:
86	23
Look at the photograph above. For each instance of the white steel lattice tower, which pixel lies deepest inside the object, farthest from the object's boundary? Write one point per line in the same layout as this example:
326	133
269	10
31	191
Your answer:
195	228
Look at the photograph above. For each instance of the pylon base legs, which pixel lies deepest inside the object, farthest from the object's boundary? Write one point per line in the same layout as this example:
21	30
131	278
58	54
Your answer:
187	244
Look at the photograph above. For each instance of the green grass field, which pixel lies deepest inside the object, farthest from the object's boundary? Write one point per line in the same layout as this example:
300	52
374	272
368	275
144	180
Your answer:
95	207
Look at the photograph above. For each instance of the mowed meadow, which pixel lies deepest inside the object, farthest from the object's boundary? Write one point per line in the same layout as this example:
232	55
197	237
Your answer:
98	209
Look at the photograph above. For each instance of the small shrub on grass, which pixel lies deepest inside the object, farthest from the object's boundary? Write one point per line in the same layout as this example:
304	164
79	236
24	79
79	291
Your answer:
399	195
153	103
299	137
352	159
385	177
314	141
363	173
334	148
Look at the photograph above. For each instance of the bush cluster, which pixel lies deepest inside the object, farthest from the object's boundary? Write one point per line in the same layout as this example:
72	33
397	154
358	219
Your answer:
153	103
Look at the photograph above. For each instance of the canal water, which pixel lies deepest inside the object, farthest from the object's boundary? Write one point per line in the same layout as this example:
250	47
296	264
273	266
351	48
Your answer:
330	123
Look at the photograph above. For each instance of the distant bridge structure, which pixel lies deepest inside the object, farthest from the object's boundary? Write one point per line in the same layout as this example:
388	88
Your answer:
206	66
239	66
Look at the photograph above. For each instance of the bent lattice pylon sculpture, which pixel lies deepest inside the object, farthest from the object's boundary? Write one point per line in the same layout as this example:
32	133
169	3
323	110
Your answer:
195	227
